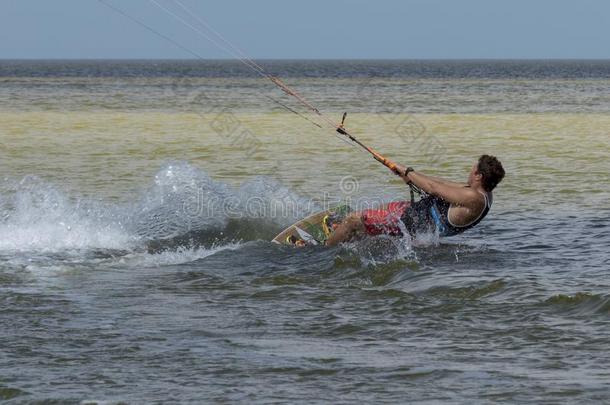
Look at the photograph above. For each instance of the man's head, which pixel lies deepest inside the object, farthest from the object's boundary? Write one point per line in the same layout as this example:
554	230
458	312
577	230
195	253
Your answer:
488	171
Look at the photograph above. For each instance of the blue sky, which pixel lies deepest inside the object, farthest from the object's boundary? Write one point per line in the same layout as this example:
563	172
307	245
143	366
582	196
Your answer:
313	29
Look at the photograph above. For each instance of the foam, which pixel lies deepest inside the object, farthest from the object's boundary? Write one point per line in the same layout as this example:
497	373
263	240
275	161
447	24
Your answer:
37	216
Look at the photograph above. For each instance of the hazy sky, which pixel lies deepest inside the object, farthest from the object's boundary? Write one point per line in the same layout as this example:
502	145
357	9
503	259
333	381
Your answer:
313	29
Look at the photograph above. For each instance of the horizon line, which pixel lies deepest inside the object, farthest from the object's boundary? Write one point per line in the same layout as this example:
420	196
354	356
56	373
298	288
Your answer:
306	59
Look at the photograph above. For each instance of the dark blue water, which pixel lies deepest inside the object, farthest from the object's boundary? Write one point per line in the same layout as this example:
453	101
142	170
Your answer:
406	69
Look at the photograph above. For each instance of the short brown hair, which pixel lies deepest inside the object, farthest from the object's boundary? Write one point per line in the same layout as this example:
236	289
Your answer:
491	170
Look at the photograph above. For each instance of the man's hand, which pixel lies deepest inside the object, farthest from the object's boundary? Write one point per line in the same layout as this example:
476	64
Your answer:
400	170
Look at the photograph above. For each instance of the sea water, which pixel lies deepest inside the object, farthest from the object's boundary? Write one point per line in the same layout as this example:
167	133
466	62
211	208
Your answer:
138	198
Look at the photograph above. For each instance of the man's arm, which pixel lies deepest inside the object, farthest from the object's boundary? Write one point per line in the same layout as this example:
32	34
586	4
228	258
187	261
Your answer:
455	193
401	169
447	182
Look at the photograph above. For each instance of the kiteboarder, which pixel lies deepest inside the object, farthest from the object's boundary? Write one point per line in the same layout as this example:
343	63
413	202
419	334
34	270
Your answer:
446	207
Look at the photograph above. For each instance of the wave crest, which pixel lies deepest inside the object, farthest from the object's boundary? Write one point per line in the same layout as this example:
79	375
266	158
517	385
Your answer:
182	205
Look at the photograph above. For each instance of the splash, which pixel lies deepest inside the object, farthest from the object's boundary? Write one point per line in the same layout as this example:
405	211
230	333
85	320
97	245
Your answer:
186	201
183	207
385	249
36	216
382	249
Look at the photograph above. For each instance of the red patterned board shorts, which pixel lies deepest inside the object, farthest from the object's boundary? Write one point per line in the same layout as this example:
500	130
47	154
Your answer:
385	220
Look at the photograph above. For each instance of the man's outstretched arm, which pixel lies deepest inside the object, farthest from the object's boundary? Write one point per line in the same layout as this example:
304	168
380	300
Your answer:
446	182
455	193
402	169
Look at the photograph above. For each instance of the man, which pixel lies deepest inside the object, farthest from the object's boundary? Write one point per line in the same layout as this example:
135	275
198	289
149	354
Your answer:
447	208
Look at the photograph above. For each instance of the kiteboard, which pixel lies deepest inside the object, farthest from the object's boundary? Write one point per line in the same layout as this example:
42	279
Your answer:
314	229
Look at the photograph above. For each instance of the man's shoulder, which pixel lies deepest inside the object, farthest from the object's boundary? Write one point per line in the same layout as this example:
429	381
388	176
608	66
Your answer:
473	198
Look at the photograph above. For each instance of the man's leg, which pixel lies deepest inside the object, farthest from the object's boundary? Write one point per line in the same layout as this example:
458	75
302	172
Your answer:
351	226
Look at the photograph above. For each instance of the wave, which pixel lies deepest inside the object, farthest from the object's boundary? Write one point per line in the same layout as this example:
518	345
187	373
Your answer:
580	304
183	207
183	215
37	216
179	255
